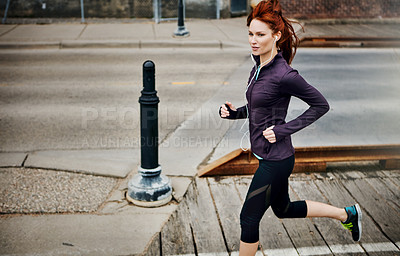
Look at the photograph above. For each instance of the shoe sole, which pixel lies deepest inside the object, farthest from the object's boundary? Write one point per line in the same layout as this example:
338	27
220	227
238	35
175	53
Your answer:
359	213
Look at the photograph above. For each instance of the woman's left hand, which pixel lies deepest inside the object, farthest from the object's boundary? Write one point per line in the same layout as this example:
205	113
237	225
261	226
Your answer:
269	134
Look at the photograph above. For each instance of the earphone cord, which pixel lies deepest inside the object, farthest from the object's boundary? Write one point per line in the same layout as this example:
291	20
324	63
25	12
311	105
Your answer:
246	134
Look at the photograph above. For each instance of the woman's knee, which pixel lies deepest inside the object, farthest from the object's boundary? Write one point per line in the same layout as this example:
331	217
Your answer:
297	209
280	212
249	228
248	219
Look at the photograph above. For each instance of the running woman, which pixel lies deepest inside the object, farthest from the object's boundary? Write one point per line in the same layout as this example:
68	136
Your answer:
271	84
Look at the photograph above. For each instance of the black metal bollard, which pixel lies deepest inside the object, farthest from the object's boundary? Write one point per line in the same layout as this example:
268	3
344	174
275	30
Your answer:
181	30
149	118
149	188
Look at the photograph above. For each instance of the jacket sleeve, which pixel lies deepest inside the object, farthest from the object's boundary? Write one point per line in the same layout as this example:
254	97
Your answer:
295	85
240	113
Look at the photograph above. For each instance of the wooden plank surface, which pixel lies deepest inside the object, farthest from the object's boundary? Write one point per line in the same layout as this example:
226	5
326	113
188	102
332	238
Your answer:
330	229
273	236
392	173
304	235
386	217
387	190
206	229
336	194
393	176
176	235
215	202
272	233
228	204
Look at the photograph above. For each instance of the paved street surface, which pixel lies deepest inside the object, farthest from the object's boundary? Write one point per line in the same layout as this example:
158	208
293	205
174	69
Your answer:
69	138
88	99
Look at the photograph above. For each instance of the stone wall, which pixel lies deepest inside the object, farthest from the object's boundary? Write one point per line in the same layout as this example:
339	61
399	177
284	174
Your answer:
305	9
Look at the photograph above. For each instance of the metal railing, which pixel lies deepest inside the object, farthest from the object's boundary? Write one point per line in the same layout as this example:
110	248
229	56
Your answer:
159	10
158	14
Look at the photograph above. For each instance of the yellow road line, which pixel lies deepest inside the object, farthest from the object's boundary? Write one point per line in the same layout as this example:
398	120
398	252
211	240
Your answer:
183	83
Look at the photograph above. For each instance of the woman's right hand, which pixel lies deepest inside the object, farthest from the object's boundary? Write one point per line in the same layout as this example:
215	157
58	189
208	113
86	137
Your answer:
224	109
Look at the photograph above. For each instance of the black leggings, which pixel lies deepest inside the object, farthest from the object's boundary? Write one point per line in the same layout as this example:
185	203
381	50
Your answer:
269	187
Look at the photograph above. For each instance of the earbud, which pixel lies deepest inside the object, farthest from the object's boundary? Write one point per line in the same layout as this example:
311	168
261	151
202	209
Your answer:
276	38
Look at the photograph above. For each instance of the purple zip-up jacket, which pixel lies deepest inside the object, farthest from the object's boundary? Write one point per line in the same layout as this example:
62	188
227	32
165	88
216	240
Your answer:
268	99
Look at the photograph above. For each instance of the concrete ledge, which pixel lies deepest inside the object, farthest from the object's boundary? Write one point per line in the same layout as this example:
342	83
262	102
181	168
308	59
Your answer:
110	163
29	45
349	44
179	44
100	44
146	44
351	21
216	44
12	159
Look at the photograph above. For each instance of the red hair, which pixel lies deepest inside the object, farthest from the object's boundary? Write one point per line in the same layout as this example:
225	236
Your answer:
270	12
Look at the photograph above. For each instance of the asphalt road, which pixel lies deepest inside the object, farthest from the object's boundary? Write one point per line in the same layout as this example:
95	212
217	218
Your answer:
362	87
88	99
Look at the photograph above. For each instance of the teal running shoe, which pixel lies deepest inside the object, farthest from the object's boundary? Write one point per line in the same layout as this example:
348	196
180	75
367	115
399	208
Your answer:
353	222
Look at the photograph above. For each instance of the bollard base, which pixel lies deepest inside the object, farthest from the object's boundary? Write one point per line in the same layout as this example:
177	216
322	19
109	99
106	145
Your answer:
151	204
181	31
149	188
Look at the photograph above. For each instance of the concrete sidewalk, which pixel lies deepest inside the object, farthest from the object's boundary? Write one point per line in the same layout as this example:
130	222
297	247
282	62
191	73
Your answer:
203	33
224	33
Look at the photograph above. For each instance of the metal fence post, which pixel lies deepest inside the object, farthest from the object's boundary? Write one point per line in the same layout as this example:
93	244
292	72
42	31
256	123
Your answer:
6	11
218	7
82	12
149	188
157	11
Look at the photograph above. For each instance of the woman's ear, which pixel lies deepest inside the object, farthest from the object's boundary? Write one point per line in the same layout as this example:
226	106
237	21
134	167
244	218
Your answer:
278	36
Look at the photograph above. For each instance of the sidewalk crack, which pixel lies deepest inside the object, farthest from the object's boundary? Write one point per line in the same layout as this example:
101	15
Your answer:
83	30
23	162
8	31
154	31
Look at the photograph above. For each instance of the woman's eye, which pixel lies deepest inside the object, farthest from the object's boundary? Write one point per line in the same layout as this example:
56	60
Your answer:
261	34
250	34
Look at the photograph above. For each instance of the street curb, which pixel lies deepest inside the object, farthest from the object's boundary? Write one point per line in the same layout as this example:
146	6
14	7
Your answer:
29	45
134	44
180	44
100	44
355	42
212	44
350	21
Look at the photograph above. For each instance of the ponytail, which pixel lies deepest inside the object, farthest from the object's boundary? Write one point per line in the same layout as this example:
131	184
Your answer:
270	12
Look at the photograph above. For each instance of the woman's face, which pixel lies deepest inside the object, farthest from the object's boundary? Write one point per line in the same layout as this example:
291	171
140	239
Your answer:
260	38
